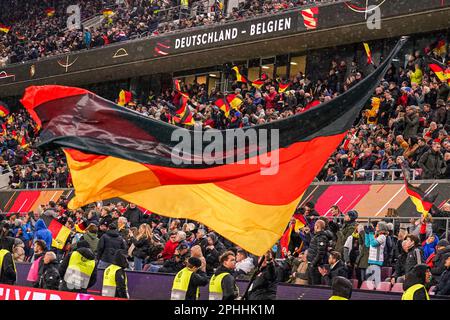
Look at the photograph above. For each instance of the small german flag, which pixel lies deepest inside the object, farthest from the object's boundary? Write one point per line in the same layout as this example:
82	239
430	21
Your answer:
368	53
444	76
183	114
4	109
178	88
286	238
423	205
239	76
59	232
441	48
81	226
282	87
234	101
4	28
124	97
50	12
223	105
258	83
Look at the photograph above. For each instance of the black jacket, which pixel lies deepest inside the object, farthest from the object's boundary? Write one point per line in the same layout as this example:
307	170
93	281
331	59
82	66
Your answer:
229	288
438	263
86	253
413	258
198	279
265	285
50	278
416	276
109	243
443	287
8	274
317	248
135	217
399	268
339	270
174	264
142	247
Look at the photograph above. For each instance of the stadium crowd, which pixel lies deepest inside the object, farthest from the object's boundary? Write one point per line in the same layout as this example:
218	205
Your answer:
35	35
323	248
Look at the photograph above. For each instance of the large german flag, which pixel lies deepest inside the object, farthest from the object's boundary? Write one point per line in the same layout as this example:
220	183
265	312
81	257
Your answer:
116	152
418	197
59	232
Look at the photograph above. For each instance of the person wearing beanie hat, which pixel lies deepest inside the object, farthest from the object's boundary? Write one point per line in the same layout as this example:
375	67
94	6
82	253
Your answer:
347	230
79	269
342	289
437	260
443	286
188	280
415	283
376	243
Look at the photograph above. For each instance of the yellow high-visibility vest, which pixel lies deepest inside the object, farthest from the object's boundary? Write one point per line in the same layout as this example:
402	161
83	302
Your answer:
215	286
79	271
337	298
3	253
109	281
409	293
181	285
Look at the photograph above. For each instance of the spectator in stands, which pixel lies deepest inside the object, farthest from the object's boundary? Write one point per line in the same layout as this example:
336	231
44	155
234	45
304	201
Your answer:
429	246
317	253
415	283
134	216
335	267
347	230
142	245
414	255
432	162
437	260
376	242
244	263
196	252
338	216
50	277
264	286
108	244
42	233
104	221
443	287
351	250
90	236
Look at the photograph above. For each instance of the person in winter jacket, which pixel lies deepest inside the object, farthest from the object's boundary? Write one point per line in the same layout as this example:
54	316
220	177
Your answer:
8	273
336	268
347	230
399	269
342	289
142	243
362	260
351	251
443	287
50	277
432	162
414	255
376	242
438	260
72	279
429	246
415	283
178	261
228	288
316	253
42	233
134	216
108	244
91	237
265	284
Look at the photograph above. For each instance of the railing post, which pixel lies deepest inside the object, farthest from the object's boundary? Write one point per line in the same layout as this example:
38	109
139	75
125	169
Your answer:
373	175
446	229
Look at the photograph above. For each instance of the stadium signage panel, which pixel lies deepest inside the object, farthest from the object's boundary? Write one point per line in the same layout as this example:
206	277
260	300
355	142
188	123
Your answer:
240	32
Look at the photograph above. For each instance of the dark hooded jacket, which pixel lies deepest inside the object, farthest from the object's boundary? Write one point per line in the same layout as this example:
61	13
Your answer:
416	276
42	233
135	217
109	243
317	249
265	285
443	287
438	263
50	277
86	253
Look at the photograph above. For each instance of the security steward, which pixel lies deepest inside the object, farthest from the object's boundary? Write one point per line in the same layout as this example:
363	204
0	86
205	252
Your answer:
223	285
115	282
188	280
341	288
79	269
8	273
415	281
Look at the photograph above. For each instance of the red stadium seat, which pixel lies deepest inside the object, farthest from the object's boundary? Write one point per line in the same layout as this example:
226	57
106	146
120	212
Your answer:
368	285
383	286
397	287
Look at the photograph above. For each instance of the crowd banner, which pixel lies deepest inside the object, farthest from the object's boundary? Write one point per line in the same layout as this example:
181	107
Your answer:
27	293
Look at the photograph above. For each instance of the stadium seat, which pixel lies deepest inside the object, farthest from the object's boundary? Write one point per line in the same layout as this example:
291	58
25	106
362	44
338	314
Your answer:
355	283
368	285
383	286
386	272
397	287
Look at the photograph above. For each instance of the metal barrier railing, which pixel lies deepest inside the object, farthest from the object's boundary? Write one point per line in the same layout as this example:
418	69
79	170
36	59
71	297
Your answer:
51	184
384	174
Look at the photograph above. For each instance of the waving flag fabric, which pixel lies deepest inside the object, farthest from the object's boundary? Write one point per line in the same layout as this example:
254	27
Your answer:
239	76
443	75
60	233
4	28
368	53
116	152
310	18
4	109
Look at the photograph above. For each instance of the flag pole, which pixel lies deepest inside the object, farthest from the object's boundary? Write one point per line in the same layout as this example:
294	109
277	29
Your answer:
252	279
